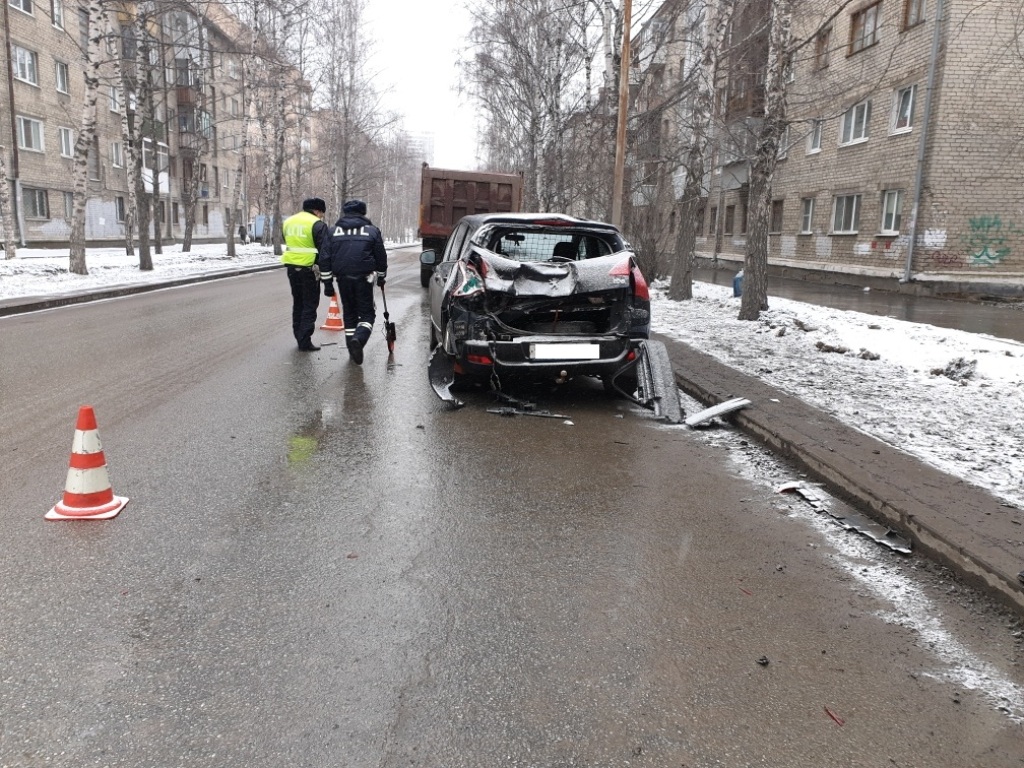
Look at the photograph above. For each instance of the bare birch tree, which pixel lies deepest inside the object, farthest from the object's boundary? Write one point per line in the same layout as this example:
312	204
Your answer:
10	237
98	27
700	124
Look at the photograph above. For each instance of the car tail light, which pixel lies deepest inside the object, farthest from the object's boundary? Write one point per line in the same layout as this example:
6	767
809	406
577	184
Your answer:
636	278
479	360
630	356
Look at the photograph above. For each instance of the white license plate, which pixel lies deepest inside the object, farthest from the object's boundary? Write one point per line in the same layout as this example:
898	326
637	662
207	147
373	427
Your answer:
565	351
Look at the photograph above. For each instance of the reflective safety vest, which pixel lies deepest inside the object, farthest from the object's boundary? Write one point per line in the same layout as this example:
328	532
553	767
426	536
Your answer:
299	246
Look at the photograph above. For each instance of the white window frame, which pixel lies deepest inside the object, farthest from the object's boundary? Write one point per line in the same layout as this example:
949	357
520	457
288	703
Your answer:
69	205
892	211
841	206
783	149
38	133
115	99
57	13
814	137
116	154
66	139
855	124
20	5
898	95
62	79
25	64
806	215
119	209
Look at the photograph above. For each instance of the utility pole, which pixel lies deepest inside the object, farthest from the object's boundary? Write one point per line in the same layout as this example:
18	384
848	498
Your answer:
620	133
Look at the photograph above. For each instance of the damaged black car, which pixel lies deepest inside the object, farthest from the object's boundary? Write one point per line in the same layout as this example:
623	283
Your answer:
543	297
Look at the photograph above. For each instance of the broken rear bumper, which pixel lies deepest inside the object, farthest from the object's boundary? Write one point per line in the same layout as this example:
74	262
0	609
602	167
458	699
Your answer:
538	357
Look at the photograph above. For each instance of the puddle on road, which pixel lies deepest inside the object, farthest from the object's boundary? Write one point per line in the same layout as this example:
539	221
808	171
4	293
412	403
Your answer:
876	569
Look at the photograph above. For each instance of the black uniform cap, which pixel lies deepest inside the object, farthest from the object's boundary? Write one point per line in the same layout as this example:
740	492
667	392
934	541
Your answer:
358	207
314	204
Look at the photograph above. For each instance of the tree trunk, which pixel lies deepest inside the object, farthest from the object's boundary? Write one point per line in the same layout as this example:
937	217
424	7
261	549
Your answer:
131	165
762	171
703	108
86	134
10	239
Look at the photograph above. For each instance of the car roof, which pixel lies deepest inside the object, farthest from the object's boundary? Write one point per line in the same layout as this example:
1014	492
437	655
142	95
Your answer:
478	220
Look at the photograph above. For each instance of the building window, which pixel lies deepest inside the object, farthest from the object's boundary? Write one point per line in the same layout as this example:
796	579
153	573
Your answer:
37	203
116	154
743	216
30	134
903	109
115	99
855	124
93	160
806	215
864	28
892	205
57	13
713	220
119	209
730	215
69	205
83	29
822	47
814	137
206	215
25	64
913	13
174	212
22	5
62	76
67	142
782	151
775	223
846	217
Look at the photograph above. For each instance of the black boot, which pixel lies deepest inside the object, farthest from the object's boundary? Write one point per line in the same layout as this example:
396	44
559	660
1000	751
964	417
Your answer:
306	344
355	351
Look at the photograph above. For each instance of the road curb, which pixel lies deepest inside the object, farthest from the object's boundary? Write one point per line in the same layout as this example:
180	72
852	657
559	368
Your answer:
959	525
22	305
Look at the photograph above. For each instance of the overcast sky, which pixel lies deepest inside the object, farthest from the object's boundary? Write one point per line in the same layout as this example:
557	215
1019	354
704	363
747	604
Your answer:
418	43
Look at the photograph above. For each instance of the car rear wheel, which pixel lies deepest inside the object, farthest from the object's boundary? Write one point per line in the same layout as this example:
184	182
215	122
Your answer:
433	337
626	382
425	277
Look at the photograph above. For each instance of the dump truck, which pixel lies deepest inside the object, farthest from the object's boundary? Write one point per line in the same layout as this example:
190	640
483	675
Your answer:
447	195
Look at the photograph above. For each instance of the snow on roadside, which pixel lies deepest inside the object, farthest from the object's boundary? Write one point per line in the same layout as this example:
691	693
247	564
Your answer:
969	427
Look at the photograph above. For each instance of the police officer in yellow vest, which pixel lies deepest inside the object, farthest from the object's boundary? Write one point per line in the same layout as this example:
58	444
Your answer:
304	235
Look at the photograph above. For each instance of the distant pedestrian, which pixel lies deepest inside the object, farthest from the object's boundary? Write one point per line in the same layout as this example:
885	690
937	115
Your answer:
242	234
304	237
354	254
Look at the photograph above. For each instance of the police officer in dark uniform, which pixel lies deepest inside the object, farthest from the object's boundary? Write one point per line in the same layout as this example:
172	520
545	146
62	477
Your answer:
354	254
304	237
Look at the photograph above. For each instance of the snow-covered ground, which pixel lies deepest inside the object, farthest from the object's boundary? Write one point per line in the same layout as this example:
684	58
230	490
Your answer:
952	398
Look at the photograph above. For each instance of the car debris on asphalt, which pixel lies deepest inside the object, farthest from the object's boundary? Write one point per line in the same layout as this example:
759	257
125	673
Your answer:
729	406
850	521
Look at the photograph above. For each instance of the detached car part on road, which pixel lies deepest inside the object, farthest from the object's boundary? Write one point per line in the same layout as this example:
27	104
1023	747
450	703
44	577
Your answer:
544	297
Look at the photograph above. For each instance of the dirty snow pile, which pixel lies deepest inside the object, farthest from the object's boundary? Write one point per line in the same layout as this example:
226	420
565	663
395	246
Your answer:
953	399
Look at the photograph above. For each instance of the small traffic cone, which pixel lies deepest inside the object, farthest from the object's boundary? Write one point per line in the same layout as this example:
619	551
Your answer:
87	492
334	321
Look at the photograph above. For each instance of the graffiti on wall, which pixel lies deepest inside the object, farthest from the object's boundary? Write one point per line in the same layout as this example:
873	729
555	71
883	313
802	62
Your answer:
988	240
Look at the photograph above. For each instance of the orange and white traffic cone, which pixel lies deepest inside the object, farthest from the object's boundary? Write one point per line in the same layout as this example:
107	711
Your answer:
87	492
334	321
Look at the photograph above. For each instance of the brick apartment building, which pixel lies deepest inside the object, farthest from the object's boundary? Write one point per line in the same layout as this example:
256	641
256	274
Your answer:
892	109
198	104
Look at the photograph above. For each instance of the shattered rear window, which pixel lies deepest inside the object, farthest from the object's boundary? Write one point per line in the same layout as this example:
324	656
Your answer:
547	246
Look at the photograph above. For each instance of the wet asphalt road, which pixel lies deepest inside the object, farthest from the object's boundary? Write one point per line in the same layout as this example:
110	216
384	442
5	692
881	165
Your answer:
322	565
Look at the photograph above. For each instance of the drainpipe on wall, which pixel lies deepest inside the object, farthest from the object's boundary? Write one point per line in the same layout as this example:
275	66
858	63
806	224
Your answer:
923	142
15	171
